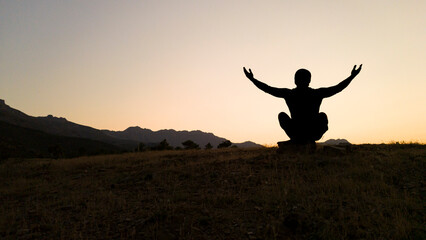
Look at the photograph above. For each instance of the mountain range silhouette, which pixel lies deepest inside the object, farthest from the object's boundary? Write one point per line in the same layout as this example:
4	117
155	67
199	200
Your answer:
50	130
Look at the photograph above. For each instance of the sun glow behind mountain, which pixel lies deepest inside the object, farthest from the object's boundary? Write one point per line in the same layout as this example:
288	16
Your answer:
178	64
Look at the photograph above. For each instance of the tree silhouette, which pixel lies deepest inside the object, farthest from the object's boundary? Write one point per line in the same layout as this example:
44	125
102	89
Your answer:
163	145
140	148
188	144
225	144
208	146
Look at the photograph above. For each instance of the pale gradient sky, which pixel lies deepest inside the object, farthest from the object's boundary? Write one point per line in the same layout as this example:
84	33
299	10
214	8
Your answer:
178	64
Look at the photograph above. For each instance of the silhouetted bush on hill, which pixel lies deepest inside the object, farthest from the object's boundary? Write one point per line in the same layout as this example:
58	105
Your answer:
188	144
225	144
163	145
141	147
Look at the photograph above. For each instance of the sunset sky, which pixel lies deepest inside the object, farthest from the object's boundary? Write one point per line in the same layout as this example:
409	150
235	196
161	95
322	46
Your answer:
178	64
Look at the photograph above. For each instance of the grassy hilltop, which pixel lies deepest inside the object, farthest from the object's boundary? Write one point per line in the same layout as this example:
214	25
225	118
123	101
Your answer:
373	192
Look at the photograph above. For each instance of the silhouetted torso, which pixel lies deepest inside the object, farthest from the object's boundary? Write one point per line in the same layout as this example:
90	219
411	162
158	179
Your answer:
303	103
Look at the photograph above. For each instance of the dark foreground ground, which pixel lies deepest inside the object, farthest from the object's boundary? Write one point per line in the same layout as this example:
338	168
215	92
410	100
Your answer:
373	192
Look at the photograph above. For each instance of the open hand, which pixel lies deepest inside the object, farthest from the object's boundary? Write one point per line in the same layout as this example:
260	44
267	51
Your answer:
356	71
248	73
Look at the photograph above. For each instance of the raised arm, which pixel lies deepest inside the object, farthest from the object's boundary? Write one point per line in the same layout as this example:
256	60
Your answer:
276	92
330	91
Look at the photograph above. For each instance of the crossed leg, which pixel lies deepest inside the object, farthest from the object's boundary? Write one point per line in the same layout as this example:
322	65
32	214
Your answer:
304	133
321	126
287	125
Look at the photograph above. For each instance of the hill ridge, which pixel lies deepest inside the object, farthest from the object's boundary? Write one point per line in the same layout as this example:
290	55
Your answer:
126	139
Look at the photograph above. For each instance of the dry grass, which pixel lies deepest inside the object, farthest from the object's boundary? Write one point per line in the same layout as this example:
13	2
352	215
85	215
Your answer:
375	192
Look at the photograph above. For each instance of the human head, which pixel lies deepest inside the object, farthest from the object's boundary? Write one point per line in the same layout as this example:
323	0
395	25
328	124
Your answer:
302	78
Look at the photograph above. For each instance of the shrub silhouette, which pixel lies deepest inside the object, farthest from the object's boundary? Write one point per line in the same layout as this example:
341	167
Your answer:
188	144
141	147
163	145
225	144
208	146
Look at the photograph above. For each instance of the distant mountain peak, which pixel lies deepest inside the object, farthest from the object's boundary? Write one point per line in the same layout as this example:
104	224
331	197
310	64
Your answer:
248	144
134	128
3	105
338	141
51	117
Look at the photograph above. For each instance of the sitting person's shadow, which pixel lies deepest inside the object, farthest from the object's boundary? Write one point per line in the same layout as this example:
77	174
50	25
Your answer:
306	124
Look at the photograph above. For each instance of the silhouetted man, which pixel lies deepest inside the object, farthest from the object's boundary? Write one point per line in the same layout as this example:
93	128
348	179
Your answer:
306	124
